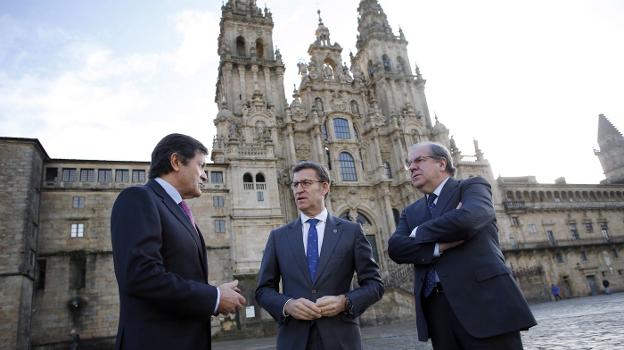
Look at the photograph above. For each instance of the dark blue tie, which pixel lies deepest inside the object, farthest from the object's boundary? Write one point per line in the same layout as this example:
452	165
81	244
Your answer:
312	253
430	279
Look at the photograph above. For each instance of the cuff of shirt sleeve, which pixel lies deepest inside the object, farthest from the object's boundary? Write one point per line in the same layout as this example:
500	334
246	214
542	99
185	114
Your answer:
436	250
216	310
284	308
413	234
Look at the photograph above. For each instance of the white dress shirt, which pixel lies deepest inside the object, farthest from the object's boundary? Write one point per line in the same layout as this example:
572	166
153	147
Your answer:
320	229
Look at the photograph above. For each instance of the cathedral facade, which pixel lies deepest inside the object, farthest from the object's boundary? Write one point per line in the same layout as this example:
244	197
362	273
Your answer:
358	118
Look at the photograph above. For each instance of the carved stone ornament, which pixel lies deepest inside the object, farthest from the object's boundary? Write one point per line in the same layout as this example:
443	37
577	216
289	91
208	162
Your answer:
338	102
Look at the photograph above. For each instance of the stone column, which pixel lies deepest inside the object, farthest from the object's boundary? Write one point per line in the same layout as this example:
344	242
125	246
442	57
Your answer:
267	85
243	90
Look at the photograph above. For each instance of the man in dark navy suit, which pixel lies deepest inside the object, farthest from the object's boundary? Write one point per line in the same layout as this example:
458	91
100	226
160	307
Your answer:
465	296
315	257
160	256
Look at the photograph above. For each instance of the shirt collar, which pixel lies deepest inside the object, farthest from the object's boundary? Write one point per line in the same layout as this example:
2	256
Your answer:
440	186
322	216
171	191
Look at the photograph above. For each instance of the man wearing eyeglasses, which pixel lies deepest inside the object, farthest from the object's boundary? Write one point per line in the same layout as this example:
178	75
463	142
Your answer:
465	296
315	257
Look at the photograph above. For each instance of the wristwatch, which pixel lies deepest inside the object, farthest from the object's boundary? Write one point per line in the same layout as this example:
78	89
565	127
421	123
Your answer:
349	306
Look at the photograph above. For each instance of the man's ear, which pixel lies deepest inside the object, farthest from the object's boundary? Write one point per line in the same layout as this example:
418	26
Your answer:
325	186
175	161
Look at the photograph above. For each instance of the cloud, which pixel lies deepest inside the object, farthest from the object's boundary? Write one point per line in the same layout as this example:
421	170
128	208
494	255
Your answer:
86	100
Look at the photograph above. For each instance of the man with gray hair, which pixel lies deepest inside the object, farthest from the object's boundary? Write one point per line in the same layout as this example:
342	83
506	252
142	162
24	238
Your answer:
465	296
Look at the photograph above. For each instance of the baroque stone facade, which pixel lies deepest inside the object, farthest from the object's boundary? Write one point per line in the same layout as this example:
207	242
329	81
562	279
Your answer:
358	118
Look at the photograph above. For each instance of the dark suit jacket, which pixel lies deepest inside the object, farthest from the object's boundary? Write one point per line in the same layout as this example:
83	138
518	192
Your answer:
161	270
476	282
345	250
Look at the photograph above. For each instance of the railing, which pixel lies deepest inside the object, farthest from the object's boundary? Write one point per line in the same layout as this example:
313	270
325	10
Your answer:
560	243
514	205
260	187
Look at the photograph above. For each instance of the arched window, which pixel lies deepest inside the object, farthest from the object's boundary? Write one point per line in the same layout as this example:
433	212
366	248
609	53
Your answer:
363	220
401	65
240	47
248	181
260	183
318	103
387	170
347	167
355	109
386	63
341	128
259	48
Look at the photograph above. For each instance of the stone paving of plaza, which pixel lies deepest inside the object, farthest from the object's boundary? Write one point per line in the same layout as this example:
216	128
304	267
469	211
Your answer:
595	323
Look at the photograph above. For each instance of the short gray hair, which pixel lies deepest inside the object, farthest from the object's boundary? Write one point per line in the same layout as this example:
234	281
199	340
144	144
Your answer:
439	151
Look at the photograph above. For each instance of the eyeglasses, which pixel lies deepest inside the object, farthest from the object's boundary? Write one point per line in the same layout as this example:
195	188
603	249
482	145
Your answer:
419	160
305	184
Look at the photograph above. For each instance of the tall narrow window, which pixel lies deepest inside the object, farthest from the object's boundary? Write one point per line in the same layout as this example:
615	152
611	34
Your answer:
386	63
41	274
347	167
248	181
260	182
77	271
259	48
341	128
240	46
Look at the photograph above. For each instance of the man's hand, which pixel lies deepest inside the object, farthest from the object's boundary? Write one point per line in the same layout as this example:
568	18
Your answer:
449	245
332	305
230	299
302	309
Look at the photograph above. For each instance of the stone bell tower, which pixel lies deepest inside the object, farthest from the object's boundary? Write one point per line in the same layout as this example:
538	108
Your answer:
250	98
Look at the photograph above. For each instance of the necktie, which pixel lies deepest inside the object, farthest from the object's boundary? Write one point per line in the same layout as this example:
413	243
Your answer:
312	254
430	275
187	210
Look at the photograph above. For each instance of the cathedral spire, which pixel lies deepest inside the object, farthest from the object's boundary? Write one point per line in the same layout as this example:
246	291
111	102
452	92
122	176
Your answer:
373	23
322	32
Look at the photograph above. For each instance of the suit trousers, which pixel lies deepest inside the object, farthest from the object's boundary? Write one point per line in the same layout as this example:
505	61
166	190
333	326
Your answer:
314	339
447	333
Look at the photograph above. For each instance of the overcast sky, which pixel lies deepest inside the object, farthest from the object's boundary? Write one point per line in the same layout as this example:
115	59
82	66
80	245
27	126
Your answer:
98	79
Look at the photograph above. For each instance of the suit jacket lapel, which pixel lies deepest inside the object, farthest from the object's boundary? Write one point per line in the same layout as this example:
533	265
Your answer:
330	239
443	199
177	212
295	240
